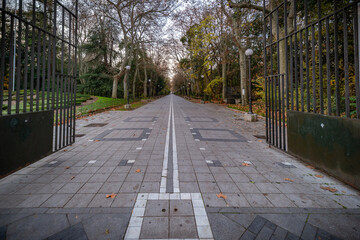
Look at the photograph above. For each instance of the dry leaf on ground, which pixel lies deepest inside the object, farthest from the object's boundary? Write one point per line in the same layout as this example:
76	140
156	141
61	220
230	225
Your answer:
220	195
107	231
138	170
245	164
97	140
113	195
67	167
288	179
72	177
319	176
311	167
329	189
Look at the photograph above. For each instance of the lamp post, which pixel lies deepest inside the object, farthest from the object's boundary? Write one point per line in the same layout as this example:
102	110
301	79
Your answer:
248	53
149	94
203	100
127	69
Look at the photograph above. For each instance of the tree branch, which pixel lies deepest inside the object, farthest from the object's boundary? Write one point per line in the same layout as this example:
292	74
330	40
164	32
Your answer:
246	5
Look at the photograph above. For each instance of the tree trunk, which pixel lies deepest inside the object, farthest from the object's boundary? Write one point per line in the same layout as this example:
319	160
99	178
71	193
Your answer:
134	82
115	86
125	81
224	90
243	74
145	77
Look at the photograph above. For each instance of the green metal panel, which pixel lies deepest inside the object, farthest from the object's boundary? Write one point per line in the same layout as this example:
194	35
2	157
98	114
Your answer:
331	143
24	139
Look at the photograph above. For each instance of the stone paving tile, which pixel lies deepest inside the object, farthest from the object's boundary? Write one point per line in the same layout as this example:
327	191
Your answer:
155	227
90	187
57	200
189	187
182	227
79	200
37	227
34	200
124	200
158	208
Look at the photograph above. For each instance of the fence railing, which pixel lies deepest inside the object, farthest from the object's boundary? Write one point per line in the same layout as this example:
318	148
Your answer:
311	58
38	63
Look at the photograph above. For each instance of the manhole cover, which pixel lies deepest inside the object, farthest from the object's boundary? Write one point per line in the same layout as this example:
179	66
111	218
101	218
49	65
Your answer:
96	125
260	136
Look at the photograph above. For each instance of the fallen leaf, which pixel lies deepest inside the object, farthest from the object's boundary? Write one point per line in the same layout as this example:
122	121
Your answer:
97	140
67	167
288	179
329	189
107	231
113	195
220	195
319	176
259	140
138	170
245	164
311	167
72	177
65	150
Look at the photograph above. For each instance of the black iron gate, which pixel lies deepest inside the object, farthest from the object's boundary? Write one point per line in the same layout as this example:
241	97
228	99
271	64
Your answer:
38	69
311	60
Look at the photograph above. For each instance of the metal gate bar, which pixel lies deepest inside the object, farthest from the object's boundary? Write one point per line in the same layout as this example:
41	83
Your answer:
305	44
38	63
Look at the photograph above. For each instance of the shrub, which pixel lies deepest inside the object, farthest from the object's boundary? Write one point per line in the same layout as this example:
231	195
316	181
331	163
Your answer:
214	88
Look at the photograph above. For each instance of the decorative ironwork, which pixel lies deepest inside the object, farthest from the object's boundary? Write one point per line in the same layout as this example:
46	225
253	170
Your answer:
311	58
38	63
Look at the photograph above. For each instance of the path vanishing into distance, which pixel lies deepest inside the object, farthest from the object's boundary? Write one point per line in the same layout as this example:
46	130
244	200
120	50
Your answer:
174	169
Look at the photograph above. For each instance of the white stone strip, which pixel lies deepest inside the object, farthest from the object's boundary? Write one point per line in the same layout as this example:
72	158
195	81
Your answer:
137	217
175	160
201	219
166	154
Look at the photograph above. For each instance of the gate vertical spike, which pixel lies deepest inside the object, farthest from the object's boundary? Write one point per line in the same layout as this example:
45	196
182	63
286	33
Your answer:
313	67
2	58
320	60
346	64
336	51
26	61
18	58
328	70
11	68
356	58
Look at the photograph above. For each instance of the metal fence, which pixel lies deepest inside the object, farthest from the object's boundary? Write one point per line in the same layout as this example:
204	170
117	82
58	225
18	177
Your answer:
38	63
311	58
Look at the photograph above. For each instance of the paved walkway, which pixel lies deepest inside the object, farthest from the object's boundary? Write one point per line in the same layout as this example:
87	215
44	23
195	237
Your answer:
174	170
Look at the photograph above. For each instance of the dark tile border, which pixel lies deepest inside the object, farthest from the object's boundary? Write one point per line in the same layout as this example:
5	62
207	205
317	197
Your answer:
96	125
143	135
191	119
197	135
130	119
125	163
285	166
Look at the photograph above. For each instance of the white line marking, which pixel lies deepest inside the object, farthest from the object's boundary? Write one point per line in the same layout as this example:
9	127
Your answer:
176	185
166	154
